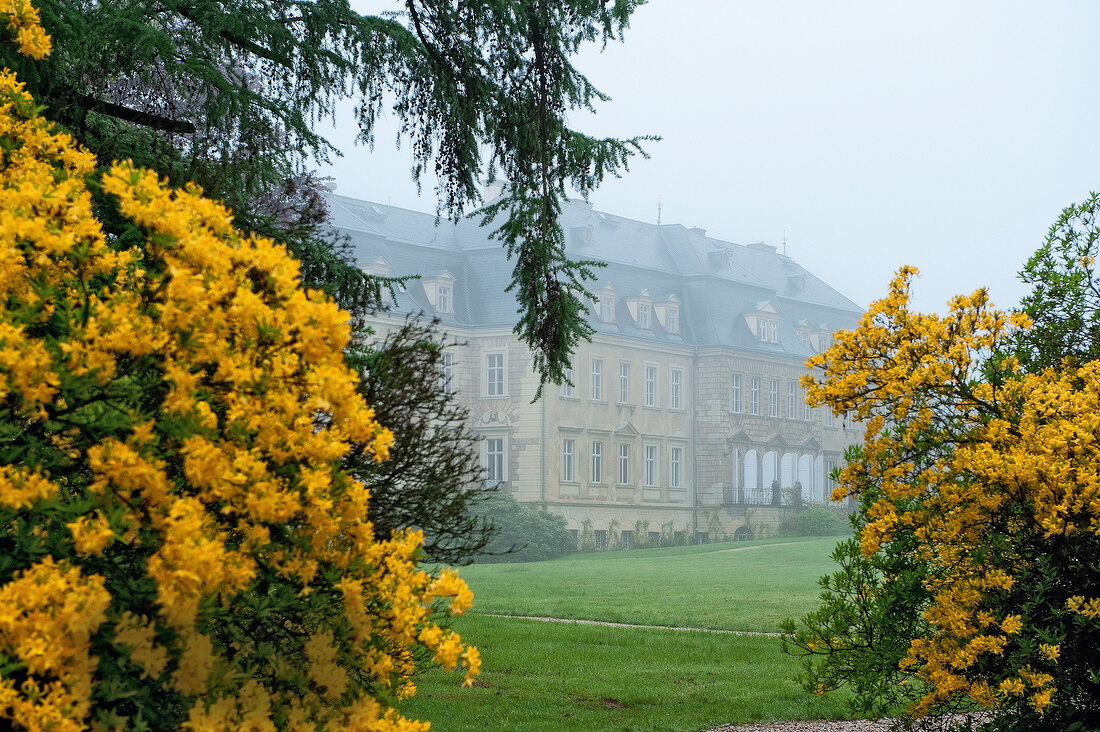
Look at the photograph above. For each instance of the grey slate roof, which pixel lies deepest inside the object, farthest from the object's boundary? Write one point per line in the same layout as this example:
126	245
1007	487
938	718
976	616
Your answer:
717	282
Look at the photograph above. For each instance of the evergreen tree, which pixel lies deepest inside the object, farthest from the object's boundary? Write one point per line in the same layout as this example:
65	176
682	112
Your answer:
226	94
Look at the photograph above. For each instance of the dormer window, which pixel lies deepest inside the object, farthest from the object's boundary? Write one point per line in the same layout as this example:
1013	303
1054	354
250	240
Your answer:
764	321
762	330
607	308
643	315
672	320
440	291
775	332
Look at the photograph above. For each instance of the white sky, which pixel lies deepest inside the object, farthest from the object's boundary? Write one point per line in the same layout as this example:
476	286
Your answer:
943	134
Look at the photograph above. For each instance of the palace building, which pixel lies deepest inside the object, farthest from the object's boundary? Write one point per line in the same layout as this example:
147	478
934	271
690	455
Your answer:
685	415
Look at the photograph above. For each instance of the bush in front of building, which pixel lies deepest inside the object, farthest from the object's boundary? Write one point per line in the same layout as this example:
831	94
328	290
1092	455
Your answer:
815	521
524	532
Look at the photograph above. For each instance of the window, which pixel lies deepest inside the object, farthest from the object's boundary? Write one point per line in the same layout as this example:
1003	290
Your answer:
601	540
443	300
643	315
597	462
651	465
807	413
494	374
447	361
775	331
828	417
762	330
755	395
736	402
790	400
675	466
651	386
677	381
830	484
567	385
567	452
673	321
597	379
773	402
624	383
627	539
607	308
624	464
494	461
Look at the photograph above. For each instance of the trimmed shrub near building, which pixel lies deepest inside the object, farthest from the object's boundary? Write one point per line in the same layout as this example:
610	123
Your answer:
815	521
527	532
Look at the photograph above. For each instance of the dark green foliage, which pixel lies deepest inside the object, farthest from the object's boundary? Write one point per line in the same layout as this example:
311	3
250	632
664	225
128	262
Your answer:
815	521
870	610
525	532
1064	301
432	480
227	95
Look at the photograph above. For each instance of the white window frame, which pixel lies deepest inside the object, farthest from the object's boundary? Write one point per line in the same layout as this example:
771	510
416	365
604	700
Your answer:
676	385
675	466
773	406
443	299
597	379
651	386
643	315
791	400
650	465
624	383
673	319
597	461
495	465
568	457
754	396
624	463
607	308
762	330
568	384
735	394
494	387
828	417
775	331
447	365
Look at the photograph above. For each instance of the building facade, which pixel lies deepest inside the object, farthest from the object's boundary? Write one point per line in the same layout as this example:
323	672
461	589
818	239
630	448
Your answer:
685	415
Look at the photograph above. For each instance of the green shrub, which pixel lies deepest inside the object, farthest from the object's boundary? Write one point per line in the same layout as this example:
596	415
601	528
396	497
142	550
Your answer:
816	521
527	532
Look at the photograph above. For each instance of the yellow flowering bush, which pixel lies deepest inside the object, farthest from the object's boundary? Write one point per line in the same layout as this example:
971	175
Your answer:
979	522
178	546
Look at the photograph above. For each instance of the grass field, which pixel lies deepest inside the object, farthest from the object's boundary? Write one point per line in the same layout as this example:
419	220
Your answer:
735	586
550	676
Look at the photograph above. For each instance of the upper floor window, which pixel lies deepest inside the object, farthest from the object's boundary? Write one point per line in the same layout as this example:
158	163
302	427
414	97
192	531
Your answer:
597	461
651	465
643	315
624	383
624	464
443	299
651	386
762	330
567	384
597	379
735	402
676	386
773	401
494	374
775	331
673	319
755	395
791	390
447	363
675	466
607	308
567	455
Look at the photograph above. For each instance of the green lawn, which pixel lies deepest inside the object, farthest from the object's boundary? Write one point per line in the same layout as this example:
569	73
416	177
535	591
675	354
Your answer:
541	677
552	676
704	586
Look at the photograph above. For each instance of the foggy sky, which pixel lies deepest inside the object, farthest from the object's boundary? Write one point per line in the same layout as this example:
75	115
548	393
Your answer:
945	135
